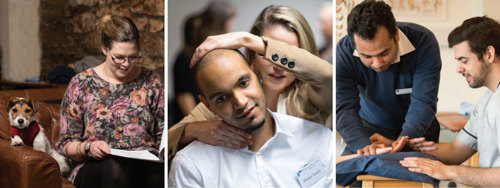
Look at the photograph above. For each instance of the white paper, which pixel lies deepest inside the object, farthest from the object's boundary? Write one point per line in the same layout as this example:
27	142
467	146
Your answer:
140	154
143	154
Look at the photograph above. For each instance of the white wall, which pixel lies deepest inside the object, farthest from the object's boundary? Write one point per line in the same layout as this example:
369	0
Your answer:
453	88
19	22
246	12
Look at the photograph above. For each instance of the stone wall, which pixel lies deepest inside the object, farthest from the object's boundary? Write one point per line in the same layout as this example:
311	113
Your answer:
69	29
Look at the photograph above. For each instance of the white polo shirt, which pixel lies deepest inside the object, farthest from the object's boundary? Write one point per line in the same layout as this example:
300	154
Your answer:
482	131
297	147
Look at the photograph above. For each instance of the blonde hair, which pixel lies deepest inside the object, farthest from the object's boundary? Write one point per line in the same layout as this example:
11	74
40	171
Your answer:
297	101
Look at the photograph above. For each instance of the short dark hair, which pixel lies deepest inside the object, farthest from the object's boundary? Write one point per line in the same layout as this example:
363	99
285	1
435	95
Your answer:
480	32
366	17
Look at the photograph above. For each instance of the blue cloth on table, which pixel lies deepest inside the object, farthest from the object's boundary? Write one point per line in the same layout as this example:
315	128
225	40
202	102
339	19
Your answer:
385	165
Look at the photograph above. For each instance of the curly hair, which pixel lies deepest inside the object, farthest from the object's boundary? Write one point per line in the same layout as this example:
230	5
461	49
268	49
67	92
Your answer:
479	32
366	17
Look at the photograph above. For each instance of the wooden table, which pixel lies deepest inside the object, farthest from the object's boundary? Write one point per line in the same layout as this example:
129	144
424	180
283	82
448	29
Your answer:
369	181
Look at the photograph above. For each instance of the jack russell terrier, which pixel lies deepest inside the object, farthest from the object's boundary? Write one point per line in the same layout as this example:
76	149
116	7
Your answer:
25	130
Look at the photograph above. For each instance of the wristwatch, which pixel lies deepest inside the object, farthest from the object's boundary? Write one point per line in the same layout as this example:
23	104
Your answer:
86	148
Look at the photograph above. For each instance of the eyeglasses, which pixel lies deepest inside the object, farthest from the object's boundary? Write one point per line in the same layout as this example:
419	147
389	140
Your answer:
121	60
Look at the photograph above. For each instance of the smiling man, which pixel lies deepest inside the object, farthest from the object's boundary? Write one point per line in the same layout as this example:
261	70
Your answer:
477	49
286	151
387	80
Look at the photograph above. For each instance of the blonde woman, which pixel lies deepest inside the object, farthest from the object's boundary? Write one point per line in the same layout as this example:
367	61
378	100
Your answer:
295	80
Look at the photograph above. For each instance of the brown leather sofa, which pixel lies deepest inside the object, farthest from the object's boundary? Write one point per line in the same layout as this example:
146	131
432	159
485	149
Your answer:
21	166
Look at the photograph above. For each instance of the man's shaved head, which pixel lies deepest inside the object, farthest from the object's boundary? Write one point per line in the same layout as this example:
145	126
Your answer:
231	89
213	56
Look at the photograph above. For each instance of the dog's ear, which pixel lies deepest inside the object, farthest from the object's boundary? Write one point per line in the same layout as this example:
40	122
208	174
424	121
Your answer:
33	104
12	102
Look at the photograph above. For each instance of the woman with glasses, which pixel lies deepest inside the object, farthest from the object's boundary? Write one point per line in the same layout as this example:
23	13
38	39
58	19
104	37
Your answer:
116	104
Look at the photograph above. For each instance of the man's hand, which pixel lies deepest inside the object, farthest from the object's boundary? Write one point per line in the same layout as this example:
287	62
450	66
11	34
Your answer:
419	144
374	149
218	133
379	139
432	168
399	144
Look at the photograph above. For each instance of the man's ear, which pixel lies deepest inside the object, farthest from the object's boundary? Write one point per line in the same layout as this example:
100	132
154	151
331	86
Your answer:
396	35
205	102
490	54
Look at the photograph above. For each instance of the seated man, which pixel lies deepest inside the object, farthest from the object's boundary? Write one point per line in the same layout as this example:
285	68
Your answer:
477	48
287	151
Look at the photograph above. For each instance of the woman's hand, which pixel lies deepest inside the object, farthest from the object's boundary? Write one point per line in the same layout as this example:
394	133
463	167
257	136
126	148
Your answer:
99	150
232	40
218	133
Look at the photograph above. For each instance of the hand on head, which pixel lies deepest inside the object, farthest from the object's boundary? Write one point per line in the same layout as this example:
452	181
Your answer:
232	40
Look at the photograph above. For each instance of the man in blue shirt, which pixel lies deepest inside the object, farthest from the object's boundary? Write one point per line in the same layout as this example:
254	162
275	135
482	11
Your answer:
387	80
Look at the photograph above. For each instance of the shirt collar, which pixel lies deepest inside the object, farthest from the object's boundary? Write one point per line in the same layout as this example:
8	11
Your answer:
280	129
404	44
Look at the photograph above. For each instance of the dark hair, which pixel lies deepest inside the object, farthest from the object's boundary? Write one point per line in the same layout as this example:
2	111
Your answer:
191	31
118	29
480	32
366	17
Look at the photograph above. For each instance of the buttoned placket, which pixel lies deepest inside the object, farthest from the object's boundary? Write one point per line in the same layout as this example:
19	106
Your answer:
260	163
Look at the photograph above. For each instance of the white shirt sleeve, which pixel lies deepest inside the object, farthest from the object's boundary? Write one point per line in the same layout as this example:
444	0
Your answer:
468	135
183	173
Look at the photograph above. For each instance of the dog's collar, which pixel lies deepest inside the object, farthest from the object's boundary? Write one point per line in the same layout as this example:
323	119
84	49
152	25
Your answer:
32	124
27	134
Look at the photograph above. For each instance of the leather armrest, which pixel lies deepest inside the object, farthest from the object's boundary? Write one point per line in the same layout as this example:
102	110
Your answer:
24	167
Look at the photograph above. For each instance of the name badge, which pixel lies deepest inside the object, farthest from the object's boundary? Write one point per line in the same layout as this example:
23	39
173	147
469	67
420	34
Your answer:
403	91
311	173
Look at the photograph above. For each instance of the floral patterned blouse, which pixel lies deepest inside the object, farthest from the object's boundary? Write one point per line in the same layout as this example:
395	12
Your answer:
126	116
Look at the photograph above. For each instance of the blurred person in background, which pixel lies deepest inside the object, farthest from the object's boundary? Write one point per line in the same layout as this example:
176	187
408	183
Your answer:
216	18
326	27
